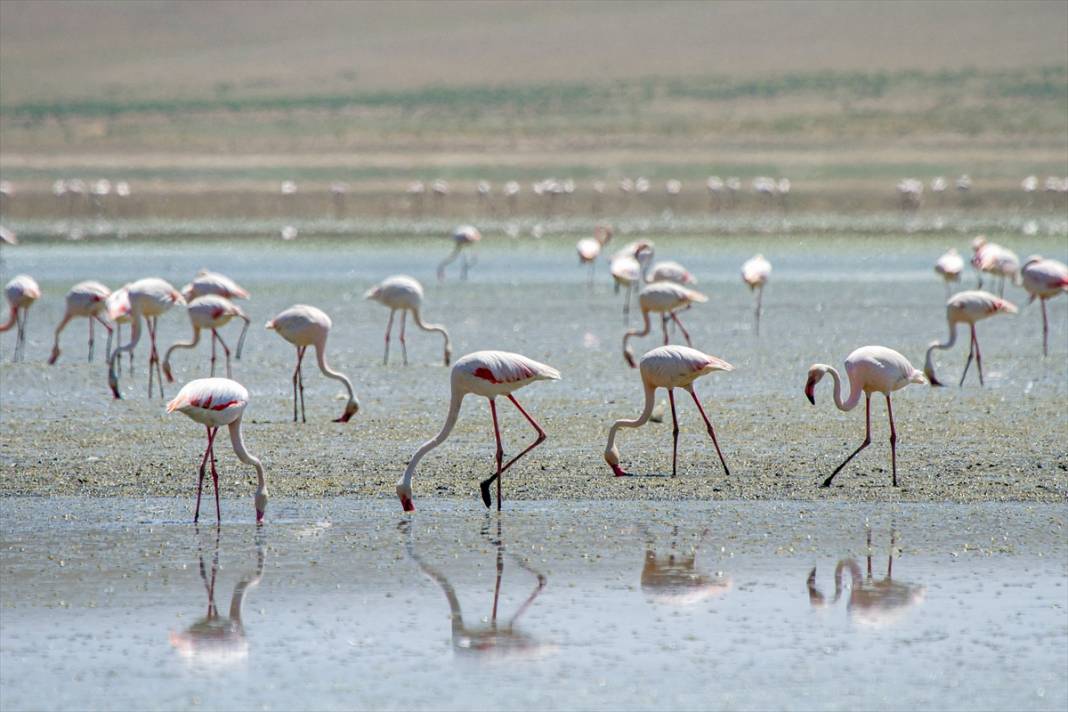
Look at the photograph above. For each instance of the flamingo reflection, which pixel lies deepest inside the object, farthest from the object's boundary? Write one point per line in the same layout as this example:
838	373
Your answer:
215	639
871	603
490	638
673	578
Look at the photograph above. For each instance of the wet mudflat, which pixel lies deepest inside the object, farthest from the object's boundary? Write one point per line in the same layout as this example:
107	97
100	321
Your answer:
118	603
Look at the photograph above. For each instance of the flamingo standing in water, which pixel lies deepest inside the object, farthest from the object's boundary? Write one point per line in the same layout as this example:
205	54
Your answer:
664	298
305	326
214	402
589	248
996	260
488	374
629	268
85	299
966	307
462	237
149	298
755	273
870	369
210	312
669	367
406	294
21	292
207	282
117	309
949	266
1044	279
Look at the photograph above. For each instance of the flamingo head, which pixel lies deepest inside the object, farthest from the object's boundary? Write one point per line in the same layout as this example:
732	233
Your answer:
113	383
261	504
55	355
448	354
404	493
167	371
815	374
628	355
611	456
351	408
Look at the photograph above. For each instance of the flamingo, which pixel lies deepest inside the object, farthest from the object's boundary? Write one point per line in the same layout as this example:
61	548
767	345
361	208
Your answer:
1044	279
210	312
463	236
870	369
117	308
589	248
207	282
670	271
755	273
21	292
488	374
628	268
85	299
669	367
967	307
214	402
950	265
996	260
305	326
664	298
149	298
406	294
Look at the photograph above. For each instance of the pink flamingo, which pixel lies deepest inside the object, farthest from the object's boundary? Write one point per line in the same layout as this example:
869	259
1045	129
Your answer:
966	307
1044	279
488	374
870	369
405	294
949	266
664	298
670	271
669	367
85	299
996	260
462	237
117	309
214	402
210	312
755	273
149	298
21	292
589	248
629	268
305	326
207	282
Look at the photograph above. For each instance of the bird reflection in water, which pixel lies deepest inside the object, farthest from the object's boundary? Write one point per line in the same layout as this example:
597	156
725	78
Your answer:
674	579
491	639
871	603
213	638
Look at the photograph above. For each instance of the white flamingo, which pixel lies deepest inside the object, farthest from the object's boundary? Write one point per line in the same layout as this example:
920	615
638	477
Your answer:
664	298
462	237
149	298
207	282
589	248
755	273
405	294
1044	279
89	300
967	308
21	292
210	312
949	266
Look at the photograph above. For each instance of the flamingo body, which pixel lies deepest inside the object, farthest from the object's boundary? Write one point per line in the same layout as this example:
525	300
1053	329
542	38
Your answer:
950	265
669	271
207	282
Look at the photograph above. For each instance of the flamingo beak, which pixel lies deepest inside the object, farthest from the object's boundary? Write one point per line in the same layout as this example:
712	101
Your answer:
259	516
407	504
167	372
113	383
54	357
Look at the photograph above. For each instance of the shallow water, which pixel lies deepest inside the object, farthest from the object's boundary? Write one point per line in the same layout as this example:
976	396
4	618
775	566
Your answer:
345	604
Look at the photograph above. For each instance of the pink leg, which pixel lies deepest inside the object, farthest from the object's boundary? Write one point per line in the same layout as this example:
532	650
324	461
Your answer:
214	474
971	354
298	385
90	339
759	308
674	433
663	325
484	486
978	356
893	440
404	345
203	465
866	443
151	353
711	431
214	336
1045	328
537	441
682	328
389	327
226	353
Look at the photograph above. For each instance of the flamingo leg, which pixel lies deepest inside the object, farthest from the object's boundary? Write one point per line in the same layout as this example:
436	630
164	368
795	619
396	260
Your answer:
90	339
213	337
663	325
485	484
203	465
298	385
151	353
215	474
626	304
389	328
590	274
893	440
226	353
465	264
682	328
978	356
1045	328
537	441
404	346
866	443
711	430
759	307
971	354
19	318
674	433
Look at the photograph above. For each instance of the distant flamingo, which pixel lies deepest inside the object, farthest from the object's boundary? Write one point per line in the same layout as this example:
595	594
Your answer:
995	260
117	307
210	312
1044	279
406	294
21	292
870	369
966	307
207	282
669	367
664	298
488	374
305	326
149	298
214	402
950	265
589	248
755	273
463	236
89	300
629	268
670	271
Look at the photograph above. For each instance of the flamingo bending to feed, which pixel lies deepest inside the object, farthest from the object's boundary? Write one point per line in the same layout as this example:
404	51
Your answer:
117	308
870	369
669	367
85	299
967	307
755	273
210	312
950	265
406	294
214	402
1044	279
207	282
488	374
305	326
149	298
629	267
462	237
589	248
664	298
21	292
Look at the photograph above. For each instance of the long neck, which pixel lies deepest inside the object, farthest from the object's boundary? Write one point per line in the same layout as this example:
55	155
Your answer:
320	357
450	422
243	586
635	332
59	330
432	327
10	319
183	344
641	420
135	335
241	339
928	364
854	391
244	456
457	615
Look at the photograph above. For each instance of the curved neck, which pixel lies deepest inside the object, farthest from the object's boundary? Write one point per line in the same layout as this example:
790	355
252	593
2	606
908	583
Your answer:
183	344
457	615
242	587
641	420
241	339
60	327
432	327
928	365
450	422
644	331
320	357
854	391
10	319
244	456
135	335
